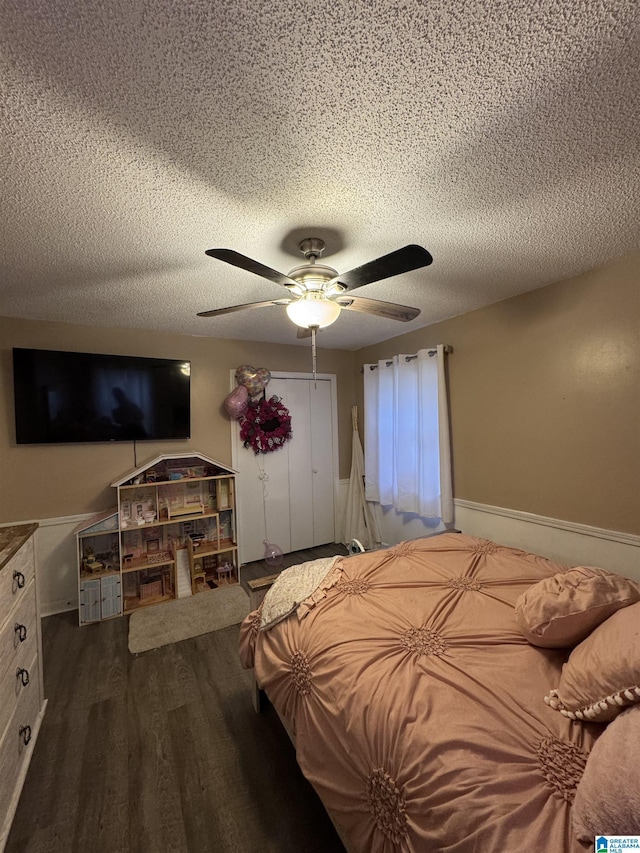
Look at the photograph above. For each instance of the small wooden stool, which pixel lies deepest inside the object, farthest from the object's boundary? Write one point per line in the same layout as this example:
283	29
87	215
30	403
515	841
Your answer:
224	572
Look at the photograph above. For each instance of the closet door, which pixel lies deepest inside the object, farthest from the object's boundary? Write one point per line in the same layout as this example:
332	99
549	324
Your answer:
322	474
291	489
274	508
300	465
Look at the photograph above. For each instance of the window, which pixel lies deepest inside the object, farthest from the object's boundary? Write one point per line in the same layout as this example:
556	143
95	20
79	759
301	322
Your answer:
407	453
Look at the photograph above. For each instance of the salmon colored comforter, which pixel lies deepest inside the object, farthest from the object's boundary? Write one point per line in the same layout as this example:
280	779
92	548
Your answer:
417	705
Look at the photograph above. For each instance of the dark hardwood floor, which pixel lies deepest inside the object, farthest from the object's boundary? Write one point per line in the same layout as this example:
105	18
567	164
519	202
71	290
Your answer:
162	751
261	569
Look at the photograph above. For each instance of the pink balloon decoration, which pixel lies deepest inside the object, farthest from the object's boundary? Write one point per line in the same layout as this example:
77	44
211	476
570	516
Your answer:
236	402
254	380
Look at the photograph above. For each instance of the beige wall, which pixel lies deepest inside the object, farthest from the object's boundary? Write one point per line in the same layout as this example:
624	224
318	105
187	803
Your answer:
545	398
46	481
544	388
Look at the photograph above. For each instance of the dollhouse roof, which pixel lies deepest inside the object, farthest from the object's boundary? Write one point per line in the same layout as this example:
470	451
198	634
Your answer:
188	457
105	520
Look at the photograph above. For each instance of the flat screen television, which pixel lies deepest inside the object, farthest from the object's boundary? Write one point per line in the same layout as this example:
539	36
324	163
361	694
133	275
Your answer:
72	397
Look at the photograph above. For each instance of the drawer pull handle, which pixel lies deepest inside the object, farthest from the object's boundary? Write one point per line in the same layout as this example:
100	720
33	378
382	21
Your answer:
19	578
25	734
21	631
23	675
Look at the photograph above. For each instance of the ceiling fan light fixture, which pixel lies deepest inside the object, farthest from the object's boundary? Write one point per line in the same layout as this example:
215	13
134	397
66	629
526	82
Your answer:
317	293
313	310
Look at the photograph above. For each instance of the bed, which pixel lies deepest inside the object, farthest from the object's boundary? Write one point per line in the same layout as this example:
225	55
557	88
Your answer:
422	713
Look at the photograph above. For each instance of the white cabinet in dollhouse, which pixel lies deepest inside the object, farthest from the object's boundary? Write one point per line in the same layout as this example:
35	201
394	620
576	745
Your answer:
90	610
174	514
100	598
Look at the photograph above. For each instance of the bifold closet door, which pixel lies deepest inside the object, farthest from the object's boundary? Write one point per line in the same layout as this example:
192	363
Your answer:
276	485
311	465
297	479
322	474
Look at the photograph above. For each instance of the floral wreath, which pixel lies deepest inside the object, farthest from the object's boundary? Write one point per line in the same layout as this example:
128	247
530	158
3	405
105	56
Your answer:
266	425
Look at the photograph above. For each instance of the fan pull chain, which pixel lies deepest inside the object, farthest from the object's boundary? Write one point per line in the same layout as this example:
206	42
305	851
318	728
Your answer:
313	353
272	553
262	475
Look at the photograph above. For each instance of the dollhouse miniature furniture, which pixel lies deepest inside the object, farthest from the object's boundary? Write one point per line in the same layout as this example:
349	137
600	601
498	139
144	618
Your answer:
127	557
22	703
224	572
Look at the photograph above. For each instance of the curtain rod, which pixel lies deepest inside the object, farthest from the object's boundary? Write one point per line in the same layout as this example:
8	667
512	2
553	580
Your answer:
448	349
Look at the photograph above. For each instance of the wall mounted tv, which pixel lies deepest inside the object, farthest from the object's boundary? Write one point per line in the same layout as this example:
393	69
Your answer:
71	397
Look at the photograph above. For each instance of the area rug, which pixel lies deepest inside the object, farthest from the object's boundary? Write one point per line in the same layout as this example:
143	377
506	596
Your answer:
173	621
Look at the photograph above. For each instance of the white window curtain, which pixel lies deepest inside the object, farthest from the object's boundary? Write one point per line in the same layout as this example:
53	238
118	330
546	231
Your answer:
407	448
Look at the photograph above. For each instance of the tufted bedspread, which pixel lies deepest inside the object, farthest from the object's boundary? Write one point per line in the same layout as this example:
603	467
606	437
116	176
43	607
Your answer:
417	706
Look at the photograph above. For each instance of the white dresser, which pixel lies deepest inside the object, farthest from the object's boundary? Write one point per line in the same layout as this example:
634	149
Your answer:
22	702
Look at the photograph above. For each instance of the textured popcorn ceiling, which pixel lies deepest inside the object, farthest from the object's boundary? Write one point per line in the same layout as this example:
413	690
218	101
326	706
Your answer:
503	136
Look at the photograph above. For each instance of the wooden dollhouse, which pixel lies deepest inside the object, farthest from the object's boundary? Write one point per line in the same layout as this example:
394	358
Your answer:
172	533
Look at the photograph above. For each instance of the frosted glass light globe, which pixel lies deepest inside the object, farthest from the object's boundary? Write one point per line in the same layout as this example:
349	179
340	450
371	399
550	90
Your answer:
312	310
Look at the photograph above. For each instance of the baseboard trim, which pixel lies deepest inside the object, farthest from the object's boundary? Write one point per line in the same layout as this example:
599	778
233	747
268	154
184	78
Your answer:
62	606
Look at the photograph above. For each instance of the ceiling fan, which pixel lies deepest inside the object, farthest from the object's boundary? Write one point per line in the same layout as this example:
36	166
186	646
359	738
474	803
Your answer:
317	293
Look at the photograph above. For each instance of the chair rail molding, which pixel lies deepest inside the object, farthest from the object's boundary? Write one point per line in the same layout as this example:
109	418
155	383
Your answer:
565	541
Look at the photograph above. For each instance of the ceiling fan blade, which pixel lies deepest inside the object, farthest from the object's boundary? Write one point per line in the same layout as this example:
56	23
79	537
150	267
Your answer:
245	263
409	258
381	309
218	312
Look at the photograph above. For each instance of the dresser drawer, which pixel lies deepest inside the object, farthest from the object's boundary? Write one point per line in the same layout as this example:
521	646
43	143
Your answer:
14	751
13	689
18	628
15	577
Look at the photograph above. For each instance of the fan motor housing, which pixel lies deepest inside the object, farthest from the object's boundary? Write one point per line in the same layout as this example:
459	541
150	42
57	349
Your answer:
313	276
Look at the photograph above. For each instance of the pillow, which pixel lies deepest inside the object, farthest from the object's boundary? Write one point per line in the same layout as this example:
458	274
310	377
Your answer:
607	800
602	674
563	609
291	587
